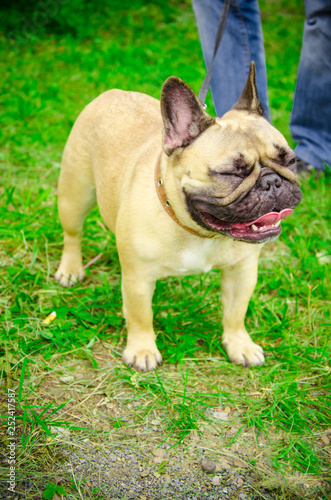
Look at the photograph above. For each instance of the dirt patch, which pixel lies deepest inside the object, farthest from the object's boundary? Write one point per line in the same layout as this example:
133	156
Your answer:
127	435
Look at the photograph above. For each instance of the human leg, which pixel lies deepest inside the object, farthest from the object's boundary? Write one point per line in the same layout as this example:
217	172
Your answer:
242	42
310	120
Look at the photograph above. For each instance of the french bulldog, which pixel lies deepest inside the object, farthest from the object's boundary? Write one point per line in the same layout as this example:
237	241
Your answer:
184	193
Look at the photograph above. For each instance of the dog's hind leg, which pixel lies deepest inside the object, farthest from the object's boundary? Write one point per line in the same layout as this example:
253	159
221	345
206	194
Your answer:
76	197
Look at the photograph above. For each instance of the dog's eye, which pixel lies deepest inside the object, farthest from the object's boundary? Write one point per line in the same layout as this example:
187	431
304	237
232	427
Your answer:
285	157
214	173
241	165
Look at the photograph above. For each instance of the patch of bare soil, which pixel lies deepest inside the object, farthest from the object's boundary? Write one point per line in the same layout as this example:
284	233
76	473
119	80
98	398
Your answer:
117	442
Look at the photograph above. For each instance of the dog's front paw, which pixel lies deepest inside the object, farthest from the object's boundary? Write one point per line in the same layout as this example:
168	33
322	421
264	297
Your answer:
69	275
142	359
243	351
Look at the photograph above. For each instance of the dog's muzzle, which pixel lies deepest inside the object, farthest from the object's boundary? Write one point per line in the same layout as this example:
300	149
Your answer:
247	184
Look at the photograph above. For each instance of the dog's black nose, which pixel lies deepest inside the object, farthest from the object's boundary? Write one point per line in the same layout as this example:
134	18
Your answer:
270	182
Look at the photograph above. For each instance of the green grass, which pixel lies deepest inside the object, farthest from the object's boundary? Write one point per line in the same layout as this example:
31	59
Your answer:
282	408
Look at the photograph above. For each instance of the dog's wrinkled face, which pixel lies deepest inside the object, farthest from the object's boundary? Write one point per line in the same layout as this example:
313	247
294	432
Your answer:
237	173
245	149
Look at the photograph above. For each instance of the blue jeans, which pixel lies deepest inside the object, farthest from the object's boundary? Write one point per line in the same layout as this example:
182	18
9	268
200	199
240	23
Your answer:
242	43
311	113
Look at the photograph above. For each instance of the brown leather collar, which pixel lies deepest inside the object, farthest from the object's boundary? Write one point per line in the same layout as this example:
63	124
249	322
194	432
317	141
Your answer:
159	186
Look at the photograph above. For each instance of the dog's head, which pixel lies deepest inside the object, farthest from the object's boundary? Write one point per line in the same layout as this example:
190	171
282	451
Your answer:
236	174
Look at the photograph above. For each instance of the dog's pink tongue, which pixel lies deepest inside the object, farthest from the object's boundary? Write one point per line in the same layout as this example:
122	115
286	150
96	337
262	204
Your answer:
272	217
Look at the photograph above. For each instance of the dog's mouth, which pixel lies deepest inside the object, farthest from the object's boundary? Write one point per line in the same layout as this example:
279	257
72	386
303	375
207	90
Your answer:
263	229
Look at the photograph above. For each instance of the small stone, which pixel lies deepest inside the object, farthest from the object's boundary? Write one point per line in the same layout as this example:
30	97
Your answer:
216	481
60	432
208	466
56	497
67	379
240	481
325	440
159	452
221	415
218	467
239	463
144	473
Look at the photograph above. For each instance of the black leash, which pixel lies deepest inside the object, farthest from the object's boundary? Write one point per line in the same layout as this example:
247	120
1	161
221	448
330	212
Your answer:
220	30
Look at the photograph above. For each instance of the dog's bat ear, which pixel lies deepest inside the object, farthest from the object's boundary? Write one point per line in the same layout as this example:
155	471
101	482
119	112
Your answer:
183	115
249	99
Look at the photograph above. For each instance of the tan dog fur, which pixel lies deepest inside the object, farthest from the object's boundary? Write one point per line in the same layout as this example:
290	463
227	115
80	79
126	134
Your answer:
110	158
